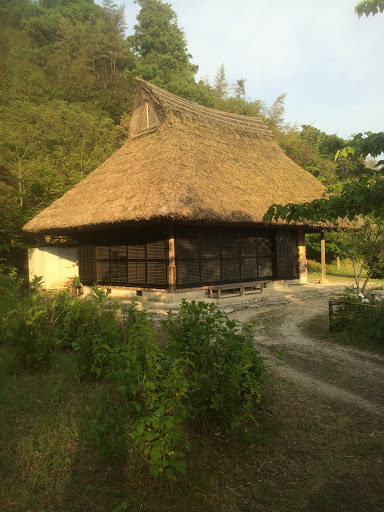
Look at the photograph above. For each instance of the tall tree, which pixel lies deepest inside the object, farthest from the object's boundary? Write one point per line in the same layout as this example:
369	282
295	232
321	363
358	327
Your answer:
159	44
275	114
239	88
220	84
160	48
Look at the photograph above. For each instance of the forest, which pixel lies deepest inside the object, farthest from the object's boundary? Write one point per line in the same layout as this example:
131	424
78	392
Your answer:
67	88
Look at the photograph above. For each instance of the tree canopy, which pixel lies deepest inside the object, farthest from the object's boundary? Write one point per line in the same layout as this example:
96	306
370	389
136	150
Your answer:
160	50
368	7
361	194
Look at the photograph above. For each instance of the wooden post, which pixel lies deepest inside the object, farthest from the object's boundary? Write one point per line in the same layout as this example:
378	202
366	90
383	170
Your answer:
171	260
323	279
302	256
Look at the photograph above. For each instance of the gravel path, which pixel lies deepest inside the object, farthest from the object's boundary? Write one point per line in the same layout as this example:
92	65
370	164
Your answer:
349	376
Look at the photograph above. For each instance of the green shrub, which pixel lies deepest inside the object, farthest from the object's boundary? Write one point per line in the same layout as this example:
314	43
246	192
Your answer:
314	267
96	335
150	391
225	370
41	323
209	372
378	273
360	325
35	336
11	296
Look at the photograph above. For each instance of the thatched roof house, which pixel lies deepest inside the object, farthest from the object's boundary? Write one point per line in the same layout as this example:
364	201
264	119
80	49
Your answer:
191	175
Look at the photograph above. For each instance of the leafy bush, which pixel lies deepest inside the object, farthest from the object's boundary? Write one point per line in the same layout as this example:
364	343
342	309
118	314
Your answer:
225	370
150	392
11	295
44	323
378	273
96	335
313	248
314	267
208	373
359	324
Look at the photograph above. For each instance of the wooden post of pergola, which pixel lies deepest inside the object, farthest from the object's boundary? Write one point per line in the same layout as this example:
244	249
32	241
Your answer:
323	279
302	257
171	260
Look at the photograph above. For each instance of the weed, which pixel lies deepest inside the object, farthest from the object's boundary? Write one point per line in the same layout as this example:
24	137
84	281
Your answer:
225	371
359	325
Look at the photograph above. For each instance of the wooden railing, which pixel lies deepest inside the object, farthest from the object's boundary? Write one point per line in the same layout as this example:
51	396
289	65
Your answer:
335	304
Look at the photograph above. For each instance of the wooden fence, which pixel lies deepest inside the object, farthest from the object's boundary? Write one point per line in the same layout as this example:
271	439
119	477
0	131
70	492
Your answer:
334	305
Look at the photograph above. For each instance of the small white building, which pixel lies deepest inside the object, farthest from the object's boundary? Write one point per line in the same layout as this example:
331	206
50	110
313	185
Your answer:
56	264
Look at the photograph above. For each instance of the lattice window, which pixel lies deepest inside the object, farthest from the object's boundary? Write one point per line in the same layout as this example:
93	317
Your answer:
149	118
211	256
287	254
136	265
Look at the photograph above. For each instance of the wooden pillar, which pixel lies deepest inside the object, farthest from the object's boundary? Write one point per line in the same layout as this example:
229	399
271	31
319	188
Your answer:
302	257
171	259
323	279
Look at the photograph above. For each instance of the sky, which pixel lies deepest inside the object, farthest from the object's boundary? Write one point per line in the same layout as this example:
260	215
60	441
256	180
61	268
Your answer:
328	61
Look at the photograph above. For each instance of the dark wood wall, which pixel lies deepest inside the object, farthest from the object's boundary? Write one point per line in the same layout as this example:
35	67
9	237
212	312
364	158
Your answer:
222	255
286	254
130	257
204	255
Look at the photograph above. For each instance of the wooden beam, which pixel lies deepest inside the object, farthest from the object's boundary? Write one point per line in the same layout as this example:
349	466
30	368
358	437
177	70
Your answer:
303	277
323	279
171	259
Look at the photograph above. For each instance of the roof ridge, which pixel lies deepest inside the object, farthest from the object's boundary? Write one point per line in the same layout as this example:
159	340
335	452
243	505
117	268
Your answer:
173	102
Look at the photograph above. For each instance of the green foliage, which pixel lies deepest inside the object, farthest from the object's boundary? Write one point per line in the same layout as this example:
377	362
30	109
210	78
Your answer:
76	283
62	92
313	150
313	267
362	145
275	114
313	247
97	334
11	294
208	375
378	272
36	325
39	331
362	195
359	325
149	389
161	56
221	87
226	370
361	241
368	7
36	281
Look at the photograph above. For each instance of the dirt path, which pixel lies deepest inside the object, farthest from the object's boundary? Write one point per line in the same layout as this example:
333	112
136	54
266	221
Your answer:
343	375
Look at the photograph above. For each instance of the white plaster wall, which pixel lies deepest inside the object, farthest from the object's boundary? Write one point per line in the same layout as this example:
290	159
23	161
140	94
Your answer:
58	265
36	264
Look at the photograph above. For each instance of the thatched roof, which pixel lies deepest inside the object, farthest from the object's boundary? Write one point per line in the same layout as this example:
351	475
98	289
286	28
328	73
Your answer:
183	162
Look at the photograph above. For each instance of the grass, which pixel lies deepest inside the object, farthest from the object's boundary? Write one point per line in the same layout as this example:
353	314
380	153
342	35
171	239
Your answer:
344	274
363	336
303	455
